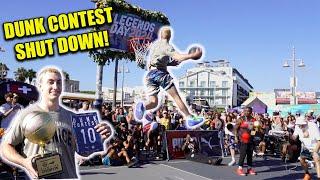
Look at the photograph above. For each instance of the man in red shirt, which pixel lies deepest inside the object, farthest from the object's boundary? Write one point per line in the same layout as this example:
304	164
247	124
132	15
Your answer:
244	133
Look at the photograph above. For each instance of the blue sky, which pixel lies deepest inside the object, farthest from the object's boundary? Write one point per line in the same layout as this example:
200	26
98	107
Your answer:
255	36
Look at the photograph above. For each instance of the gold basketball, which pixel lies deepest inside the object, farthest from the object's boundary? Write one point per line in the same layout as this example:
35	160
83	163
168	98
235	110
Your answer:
39	127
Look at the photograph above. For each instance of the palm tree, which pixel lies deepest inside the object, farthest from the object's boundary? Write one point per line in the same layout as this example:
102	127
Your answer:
3	70
31	74
20	74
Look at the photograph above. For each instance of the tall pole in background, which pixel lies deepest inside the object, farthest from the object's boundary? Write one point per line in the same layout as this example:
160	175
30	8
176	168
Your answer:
122	70
3	71
293	79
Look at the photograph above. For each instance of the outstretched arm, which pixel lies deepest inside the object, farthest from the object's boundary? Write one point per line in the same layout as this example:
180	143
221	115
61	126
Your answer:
182	57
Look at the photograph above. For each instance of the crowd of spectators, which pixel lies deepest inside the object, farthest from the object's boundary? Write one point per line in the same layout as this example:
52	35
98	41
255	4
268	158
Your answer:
130	141
272	135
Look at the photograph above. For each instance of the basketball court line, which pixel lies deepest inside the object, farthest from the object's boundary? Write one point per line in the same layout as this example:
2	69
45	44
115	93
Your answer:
185	171
164	165
175	162
103	168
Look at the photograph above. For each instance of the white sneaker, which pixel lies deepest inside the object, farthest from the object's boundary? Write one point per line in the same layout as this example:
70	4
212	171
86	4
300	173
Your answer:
232	163
260	154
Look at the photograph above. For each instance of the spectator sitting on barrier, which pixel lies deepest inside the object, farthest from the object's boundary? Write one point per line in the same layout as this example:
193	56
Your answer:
130	147
114	154
190	146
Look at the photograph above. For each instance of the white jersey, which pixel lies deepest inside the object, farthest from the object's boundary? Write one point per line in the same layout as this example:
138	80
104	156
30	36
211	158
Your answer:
314	135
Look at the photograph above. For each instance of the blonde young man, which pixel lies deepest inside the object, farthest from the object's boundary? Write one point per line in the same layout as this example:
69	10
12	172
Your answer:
162	55
50	86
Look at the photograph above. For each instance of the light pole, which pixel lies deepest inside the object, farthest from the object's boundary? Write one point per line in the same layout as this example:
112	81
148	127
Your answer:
293	79
122	70
3	70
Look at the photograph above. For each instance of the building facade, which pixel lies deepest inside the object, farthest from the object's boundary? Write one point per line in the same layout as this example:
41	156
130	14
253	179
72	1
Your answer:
217	82
129	94
71	86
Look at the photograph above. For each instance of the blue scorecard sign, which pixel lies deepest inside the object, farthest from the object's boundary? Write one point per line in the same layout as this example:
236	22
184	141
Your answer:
88	140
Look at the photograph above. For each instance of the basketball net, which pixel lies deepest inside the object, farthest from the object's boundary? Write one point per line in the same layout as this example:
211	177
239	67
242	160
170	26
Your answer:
140	47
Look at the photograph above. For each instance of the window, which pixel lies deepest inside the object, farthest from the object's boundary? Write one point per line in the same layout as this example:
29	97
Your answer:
192	92
181	84
212	83
224	101
202	84
224	92
192	84
202	93
211	92
224	83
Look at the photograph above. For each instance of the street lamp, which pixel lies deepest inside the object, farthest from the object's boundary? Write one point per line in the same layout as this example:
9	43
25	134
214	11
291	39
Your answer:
122	70
3	68
293	80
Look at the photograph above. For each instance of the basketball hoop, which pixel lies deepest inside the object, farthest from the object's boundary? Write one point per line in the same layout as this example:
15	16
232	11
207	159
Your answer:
140	47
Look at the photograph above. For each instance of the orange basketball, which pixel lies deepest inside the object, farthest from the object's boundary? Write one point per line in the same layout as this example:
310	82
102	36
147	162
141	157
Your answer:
194	49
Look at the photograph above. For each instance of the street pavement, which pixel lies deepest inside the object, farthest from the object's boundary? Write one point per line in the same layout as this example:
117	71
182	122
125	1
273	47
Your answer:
269	168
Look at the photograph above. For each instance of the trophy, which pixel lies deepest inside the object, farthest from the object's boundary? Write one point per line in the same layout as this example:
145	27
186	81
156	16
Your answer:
39	129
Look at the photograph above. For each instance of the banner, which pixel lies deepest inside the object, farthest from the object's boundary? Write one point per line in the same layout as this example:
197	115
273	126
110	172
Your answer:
208	143
126	26
88	139
293	109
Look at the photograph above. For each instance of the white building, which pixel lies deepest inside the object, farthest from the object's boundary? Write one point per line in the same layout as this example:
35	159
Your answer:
216	82
71	86
129	94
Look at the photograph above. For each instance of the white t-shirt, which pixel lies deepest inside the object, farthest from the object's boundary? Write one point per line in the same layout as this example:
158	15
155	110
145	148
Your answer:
64	140
226	130
160	53
5	122
314	135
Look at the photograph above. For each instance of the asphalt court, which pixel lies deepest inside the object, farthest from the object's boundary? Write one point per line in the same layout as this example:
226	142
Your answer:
270	169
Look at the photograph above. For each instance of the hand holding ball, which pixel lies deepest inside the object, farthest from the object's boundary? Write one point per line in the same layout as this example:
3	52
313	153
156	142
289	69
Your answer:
196	52
39	127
